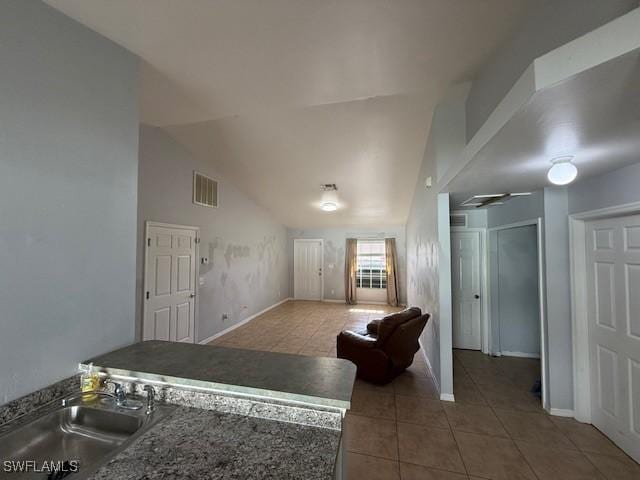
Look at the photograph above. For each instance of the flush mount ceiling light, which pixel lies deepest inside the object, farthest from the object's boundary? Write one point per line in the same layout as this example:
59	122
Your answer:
329	206
562	172
329	202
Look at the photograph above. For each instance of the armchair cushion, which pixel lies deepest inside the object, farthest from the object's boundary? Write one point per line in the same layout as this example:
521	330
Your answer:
389	323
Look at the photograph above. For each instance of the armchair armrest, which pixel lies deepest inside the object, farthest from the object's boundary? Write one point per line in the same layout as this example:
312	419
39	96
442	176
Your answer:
373	364
356	340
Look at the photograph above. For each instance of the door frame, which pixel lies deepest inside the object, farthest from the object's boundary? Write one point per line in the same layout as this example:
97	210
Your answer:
297	241
484	312
196	273
539	224
579	302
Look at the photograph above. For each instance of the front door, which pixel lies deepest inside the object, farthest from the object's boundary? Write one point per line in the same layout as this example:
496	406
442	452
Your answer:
613	282
465	291
170	284
307	265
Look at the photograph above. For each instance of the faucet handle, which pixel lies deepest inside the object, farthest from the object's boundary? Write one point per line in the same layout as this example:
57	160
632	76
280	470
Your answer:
151	393
149	389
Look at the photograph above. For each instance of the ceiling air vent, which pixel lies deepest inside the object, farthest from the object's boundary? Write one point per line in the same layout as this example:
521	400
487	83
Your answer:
205	190
458	220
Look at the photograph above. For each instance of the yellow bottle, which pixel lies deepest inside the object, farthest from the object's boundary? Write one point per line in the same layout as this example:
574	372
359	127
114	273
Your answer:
89	382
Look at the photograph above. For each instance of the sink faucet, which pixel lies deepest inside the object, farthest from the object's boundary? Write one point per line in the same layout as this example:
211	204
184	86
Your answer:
151	404
120	395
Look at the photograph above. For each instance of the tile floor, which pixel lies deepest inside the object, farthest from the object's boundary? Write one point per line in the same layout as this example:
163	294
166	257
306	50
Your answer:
495	430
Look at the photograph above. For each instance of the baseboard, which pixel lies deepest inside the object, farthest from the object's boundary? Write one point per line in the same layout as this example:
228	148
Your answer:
447	397
332	300
519	354
242	322
561	412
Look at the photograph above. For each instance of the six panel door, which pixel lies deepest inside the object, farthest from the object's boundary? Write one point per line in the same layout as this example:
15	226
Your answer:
169	312
613	282
307	265
465	281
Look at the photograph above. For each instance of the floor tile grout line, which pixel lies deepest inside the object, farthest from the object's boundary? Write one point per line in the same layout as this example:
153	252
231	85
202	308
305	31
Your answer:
515	444
464	464
395	409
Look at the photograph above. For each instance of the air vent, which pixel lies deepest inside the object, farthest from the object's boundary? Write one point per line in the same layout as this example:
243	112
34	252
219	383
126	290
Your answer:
205	190
458	220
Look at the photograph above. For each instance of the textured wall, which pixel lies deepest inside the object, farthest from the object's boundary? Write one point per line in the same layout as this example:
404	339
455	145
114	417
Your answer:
425	252
334	247
247	249
68	168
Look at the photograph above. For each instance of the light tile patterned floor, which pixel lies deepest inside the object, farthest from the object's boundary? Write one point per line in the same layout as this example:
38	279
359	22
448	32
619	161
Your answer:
495	430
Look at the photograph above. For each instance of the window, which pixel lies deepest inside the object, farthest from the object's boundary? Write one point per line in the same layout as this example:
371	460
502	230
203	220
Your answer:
372	271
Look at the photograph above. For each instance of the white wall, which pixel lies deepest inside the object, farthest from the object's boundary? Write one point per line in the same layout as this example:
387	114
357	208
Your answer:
547	24
558	298
68	169
334	248
516	210
247	249
426	251
614	188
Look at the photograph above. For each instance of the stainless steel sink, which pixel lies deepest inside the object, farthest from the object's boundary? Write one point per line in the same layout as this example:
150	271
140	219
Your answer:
89	434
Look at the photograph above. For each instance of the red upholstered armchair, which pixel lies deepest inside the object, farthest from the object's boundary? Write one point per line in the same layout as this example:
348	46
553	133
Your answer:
387	348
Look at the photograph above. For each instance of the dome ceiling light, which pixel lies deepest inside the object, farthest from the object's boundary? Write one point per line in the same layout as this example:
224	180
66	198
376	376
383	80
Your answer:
562	172
329	202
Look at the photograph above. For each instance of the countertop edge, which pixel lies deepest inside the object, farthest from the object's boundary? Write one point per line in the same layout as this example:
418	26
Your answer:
214	387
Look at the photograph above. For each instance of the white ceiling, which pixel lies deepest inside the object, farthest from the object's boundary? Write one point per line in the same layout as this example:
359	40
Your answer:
593	116
283	95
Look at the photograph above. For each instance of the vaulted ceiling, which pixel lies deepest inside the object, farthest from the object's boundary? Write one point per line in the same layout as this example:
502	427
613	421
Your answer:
281	96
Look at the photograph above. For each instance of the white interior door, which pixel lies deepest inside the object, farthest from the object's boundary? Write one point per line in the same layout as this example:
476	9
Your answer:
307	265
170	284
613	283
465	291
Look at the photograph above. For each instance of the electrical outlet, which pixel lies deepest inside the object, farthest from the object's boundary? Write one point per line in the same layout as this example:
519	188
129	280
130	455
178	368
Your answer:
204	260
333	292
225	316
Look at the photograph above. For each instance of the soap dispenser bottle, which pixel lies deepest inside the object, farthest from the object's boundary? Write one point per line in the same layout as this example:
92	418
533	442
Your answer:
89	381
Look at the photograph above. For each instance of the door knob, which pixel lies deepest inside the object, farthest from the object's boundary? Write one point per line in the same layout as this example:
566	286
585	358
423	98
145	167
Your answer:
192	295
476	296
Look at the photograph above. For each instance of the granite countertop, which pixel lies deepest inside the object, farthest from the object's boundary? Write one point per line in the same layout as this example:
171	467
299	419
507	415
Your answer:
204	444
311	380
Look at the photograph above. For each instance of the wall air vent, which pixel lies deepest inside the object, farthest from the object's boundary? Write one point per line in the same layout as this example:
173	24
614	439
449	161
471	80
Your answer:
458	220
205	190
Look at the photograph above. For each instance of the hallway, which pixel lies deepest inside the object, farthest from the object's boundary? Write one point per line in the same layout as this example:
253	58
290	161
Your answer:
496	429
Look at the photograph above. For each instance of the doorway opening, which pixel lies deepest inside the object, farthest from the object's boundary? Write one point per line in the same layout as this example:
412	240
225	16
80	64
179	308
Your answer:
498	316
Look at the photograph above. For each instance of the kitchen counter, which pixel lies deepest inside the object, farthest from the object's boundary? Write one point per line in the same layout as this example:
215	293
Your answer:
201	444
315	381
